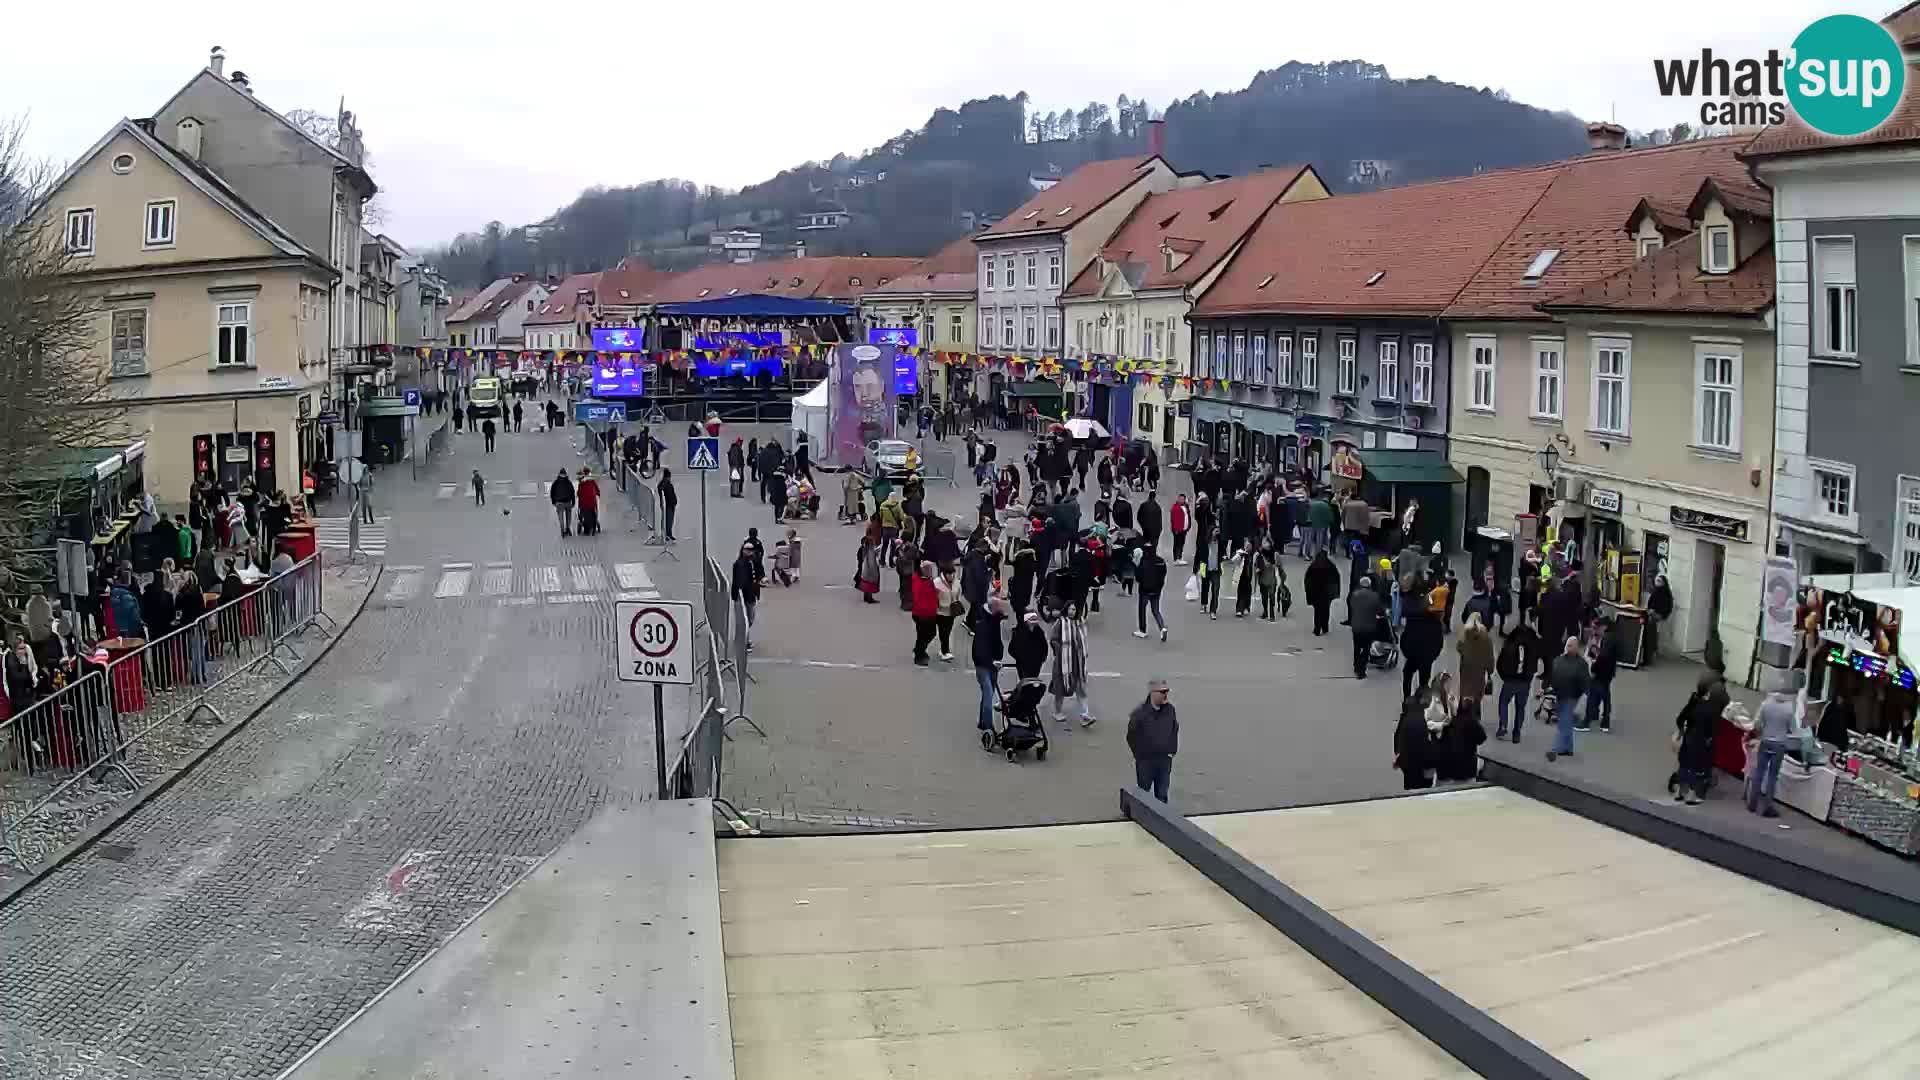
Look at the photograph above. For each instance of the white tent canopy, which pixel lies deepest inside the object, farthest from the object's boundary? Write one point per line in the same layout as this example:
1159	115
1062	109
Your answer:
810	418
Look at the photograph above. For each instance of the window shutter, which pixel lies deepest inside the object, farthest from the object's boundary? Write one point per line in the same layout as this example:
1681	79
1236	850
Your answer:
1835	262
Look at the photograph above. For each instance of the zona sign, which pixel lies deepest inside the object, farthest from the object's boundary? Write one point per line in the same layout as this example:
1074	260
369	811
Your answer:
655	643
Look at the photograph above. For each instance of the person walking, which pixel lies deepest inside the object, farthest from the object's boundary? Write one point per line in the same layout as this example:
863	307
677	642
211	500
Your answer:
1659	610
669	500
1606	662
518	416
1153	736
1067	638
1413	745
1266	567
1516	665
987	651
1461	735
737	469
1151	580
487	432
946	583
479	489
753	461
1364	608
1421	638
1773	726
1027	647
1693	738
1244	573
744	585
1477	662
1320	519
1209	572
1322	582
1568	678
867	566
923	603
1179	520
561	493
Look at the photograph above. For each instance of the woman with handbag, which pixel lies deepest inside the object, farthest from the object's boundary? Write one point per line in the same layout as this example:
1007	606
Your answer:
946	585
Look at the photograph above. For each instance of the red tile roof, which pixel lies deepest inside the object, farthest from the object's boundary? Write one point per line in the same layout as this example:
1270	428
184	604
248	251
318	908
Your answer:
1066	203
1426	240
1202	222
558	309
1904	25
1670	281
840	278
1580	215
1795	137
627	282
952	269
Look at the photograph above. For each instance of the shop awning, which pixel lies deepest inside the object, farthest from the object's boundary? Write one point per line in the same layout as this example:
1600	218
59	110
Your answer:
1033	388
1409	467
85	463
756	304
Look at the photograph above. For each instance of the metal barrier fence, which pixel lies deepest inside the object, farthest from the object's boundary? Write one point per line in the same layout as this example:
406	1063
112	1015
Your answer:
646	508
715	608
88	728
938	463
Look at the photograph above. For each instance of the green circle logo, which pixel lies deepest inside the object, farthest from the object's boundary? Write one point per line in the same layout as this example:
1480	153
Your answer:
1847	75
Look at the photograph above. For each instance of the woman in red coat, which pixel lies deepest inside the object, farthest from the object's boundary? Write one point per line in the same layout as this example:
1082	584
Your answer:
587	493
926	610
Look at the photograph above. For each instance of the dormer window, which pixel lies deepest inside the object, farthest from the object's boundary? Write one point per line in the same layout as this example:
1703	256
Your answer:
1264	282
1063	211
702	293
1375	278
1537	269
1214	214
1030	215
1719	248
853	281
1647	245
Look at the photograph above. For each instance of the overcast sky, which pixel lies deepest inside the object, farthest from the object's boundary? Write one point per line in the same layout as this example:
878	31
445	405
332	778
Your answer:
481	111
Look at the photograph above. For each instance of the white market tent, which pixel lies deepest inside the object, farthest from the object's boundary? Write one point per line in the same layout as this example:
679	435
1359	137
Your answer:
810	419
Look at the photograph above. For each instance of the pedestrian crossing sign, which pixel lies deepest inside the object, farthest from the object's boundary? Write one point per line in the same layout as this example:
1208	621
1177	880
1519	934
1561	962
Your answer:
703	454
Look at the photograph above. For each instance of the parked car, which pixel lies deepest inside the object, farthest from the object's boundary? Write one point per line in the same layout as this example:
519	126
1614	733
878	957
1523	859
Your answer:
888	456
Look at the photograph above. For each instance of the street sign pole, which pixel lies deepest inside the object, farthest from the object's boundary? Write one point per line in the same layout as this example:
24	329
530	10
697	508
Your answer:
655	645
703	519
703	456
660	737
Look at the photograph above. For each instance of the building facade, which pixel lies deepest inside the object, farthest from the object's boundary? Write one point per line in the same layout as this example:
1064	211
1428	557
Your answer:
563	322
1846	490
213	324
935	297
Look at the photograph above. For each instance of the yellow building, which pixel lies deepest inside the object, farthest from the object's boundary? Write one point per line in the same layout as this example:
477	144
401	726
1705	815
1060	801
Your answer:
212	325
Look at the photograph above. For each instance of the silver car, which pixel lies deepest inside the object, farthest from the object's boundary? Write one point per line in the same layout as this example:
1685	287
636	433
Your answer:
886	457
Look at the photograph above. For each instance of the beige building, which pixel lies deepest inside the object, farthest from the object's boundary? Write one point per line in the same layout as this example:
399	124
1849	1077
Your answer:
935	297
1653	387
1126	310
213	323
563	321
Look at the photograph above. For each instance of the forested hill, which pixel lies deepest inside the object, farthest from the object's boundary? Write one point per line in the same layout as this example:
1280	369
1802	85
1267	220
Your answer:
1357	125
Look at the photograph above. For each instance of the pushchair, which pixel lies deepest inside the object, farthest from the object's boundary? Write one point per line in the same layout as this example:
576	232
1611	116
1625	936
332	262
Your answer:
1016	726
1384	653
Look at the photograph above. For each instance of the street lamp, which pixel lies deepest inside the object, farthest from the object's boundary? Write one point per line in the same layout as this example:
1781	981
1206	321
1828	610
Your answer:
1549	461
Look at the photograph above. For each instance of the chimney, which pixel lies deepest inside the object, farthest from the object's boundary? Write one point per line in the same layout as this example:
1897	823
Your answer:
799	249
186	137
1602	135
240	82
217	62
1156	137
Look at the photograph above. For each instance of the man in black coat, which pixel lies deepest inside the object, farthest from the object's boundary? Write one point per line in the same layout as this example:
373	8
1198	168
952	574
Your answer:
1363	616
976	582
1148	520
987	652
1153	734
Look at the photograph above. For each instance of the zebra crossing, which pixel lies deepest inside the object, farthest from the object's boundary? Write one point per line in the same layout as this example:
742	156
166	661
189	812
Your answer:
512	489
519	586
334	533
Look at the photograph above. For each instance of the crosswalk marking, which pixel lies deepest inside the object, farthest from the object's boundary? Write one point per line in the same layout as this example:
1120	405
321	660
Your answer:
452	583
642	594
544	579
404	585
531	487
336	533
497	582
589	578
446	491
632	575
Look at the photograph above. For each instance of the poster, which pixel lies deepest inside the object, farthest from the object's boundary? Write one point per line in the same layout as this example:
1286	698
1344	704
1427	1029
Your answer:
1779	602
861	402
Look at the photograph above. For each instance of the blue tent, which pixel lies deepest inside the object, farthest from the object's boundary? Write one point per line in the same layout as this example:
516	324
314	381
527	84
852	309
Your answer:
756	304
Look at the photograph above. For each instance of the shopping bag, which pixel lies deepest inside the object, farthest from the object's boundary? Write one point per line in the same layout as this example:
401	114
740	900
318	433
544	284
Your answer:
735	474
1193	587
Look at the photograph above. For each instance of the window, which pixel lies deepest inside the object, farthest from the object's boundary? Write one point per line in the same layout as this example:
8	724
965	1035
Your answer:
1387	385
1480	373
1546	379
1053	269
986	329
80	231
1719	242
1221	361
1282	360
1119	341
953	327
1031	334
1310	362
160	215
1146	340
130	342
1006	273
1913	301
1200	354
1261	373
1906	530
1647	245
1716	401
1537	269
986	273
1006	331
1053	330
1834	296
1346	378
1833	485
1144	421
1423	373
122	163
1612	396
1239	358
231	333
1033	270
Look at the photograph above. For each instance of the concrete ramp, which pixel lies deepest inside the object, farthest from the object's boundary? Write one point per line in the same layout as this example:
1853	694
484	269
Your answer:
605	961
1079	951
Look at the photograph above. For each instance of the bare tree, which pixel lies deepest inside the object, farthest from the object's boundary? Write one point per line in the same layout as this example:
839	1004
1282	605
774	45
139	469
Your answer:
326	131
55	402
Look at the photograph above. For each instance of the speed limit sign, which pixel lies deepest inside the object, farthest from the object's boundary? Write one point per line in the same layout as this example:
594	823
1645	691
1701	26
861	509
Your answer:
655	641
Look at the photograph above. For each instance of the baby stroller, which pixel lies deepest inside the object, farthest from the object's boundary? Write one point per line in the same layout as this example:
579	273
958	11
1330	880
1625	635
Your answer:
1017	727
1384	653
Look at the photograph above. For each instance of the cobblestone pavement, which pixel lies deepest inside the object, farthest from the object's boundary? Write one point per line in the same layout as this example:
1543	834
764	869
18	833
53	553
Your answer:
441	749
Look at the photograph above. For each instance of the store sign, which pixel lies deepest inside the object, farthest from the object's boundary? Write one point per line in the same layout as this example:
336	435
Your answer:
1605	499
275	382
900	337
1700	521
620	339
306	406
1347	465
1779	602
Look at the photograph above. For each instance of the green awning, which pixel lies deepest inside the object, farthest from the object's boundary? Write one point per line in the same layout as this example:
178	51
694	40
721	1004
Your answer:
1035	388
1409	467
73	463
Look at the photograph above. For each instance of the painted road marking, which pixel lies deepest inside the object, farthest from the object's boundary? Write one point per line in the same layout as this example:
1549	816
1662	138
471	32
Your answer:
571	598
446	491
543	579
589	578
452	583
531	487
404	585
518	601
498	581
640	594
632	575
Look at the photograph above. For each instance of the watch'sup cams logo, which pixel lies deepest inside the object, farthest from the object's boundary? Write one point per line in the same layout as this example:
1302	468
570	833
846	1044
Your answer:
1843	76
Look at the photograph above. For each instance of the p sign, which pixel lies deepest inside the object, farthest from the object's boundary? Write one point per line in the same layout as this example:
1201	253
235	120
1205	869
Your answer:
655	641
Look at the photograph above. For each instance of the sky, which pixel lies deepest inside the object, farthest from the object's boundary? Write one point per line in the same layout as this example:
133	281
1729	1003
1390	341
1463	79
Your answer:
484	111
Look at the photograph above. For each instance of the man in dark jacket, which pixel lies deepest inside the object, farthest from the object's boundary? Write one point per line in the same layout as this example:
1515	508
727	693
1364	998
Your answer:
1152	579
976	581
987	652
1363	615
1606	661
1517	663
1153	734
1027	647
1568	678
1147	518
